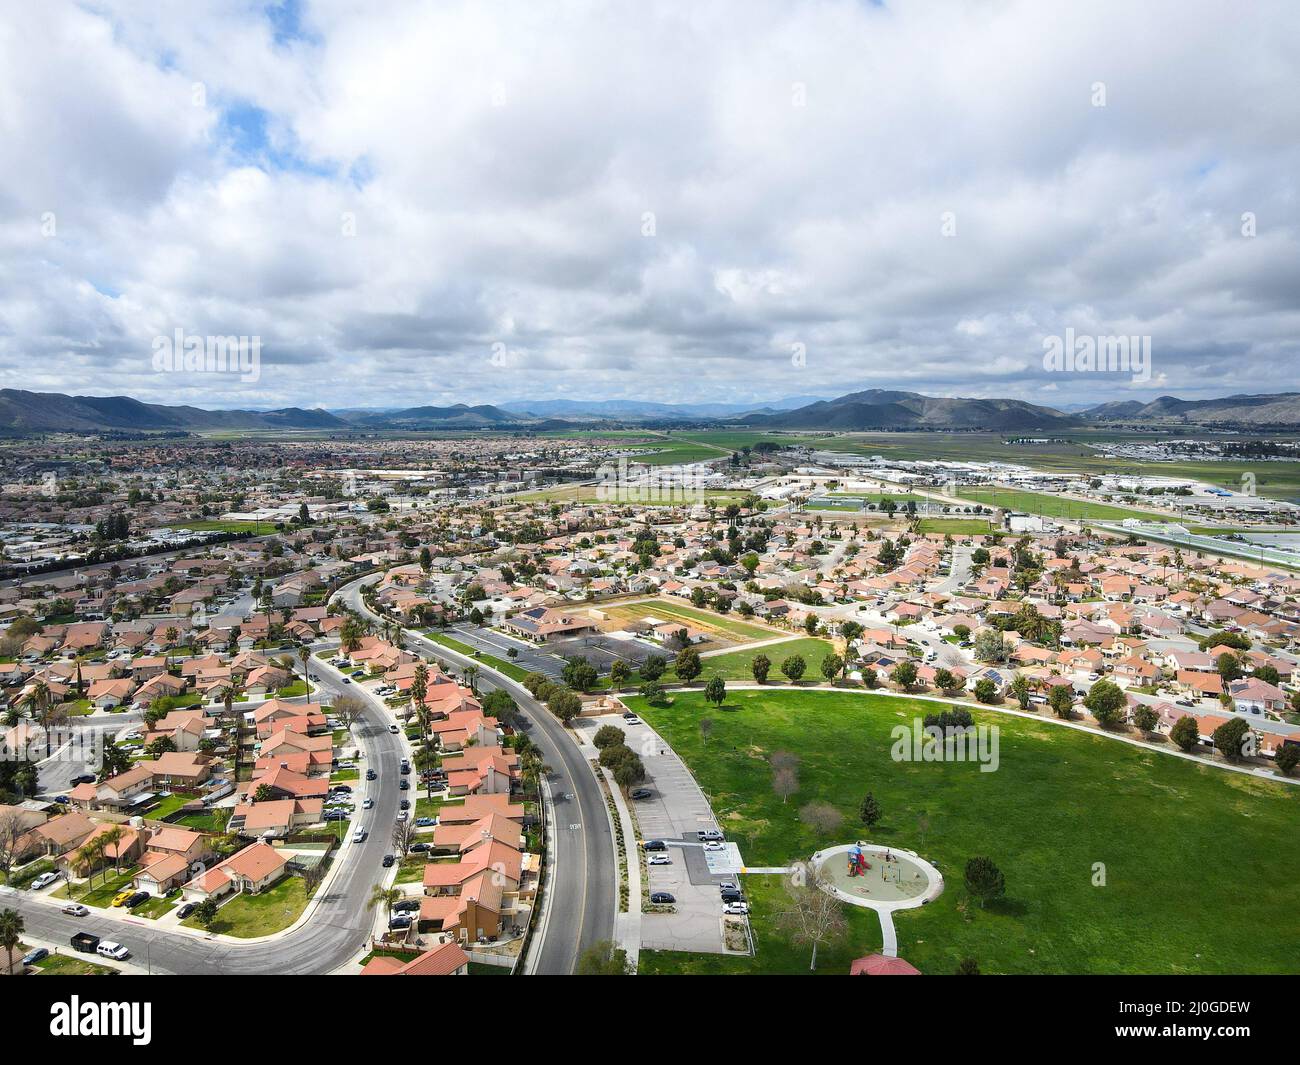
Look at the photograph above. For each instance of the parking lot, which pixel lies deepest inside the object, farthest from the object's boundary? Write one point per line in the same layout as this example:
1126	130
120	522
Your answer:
675	812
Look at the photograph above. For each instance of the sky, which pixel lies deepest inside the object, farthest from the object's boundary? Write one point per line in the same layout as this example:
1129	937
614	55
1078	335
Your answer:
733	201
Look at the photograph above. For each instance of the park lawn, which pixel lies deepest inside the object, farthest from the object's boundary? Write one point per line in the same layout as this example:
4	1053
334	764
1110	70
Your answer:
724	624
249	916
64	965
501	665
1178	841
954	526
1053	506
738	665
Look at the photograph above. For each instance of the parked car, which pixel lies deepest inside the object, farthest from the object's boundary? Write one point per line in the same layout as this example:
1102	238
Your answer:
659	859
402	921
111	949
138	898
662	898
707	834
732	896
641	793
76	909
33	956
405	765
84	778
425	822
393	729
341	789
420	848
389	860
404	804
713	845
403	785
185	910
120	898
736	909
334	815
655	845
371	774
631	718
406	905
44	881
402	815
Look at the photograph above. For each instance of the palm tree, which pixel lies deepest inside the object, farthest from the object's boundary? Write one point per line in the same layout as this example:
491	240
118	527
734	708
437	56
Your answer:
111	837
11	933
304	656
426	761
386	897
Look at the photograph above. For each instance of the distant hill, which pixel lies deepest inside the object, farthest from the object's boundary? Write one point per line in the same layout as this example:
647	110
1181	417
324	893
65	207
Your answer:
880	409
1241	411
458	416
644	410
44	412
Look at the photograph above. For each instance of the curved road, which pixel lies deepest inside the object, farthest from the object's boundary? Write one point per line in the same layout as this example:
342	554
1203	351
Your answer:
582	897
337	928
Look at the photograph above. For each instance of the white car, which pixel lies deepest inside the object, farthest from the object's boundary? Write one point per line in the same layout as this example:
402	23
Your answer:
713	845
110	949
76	909
658	859
359	836
393	729
369	804
44	881
735	909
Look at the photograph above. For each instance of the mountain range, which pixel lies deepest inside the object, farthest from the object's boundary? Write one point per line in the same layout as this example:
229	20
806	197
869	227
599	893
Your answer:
23	412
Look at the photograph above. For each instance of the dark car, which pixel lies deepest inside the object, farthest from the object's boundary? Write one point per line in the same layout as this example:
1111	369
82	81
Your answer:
399	923
405	804
84	778
334	815
406	906
420	848
732	896
371	774
138	899
406	766
32	957
655	845
389	859
403	785
186	910
344	788
662	898
641	793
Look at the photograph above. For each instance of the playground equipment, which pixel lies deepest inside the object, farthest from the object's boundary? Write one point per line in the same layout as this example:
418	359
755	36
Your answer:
858	864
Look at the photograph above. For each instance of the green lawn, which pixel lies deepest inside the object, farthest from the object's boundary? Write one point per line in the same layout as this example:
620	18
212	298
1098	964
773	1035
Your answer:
211	525
156	907
501	665
204	822
103	891
1197	860
1053	506
249	916
954	526
169	805
65	965
737	665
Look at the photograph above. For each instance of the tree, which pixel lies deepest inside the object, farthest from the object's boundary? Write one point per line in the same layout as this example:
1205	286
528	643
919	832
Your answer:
11	933
608	736
402	836
604	959
985	690
1019	690
1106	701
1145	718
760	668
653	667
716	690
1267	674
813	917
990	646
618	673
832	666
821	817
869	812
1185	734
205	913
785	782
688	665
565	705
1229	668
945	680
1061	699
793	667
1286	758
904	674
984	880
653	693
349	709
1230	739
386	897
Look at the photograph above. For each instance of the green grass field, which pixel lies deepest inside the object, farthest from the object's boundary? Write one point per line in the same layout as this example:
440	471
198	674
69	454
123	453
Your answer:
954	526
501	665
737	665
724	624
1052	506
207	525
1199	867
249	916
589	495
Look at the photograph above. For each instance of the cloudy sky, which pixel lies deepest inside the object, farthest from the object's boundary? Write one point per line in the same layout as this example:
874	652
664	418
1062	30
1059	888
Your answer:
729	201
